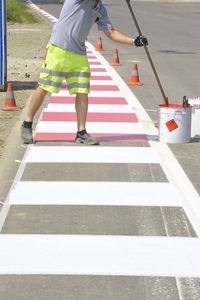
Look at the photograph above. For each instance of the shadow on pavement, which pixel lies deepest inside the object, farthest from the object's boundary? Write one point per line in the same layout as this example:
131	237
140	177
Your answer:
24	85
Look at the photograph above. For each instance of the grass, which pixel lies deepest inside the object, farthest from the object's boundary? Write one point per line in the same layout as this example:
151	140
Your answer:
18	12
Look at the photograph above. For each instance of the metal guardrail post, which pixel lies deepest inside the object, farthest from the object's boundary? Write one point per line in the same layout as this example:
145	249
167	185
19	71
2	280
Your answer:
3	46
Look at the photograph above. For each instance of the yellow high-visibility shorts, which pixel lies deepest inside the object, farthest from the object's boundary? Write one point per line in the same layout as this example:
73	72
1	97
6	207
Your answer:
60	65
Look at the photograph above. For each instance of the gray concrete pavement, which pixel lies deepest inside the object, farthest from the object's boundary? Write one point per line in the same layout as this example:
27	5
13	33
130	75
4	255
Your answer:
172	29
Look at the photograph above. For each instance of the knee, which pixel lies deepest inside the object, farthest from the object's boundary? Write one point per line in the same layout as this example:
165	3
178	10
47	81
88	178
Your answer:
41	91
82	97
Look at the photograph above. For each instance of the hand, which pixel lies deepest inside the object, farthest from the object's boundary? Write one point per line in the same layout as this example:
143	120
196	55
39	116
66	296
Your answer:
140	41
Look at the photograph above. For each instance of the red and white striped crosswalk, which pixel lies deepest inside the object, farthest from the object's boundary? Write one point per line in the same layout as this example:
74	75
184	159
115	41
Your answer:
110	117
114	116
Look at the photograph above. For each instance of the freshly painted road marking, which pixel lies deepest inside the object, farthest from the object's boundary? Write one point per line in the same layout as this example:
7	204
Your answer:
106	193
101	72
99	82
92	100
5	209
102	82
92	93
91	117
170	165
95	127
95	154
101	108
97	88
105	87
102	137
41	11
94	62
97	65
100	255
98	70
91	57
101	77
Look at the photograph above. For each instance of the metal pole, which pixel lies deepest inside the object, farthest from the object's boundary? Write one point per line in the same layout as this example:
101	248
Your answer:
3	46
165	98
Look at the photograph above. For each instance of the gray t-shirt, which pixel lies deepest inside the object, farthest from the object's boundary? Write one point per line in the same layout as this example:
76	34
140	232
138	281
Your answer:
75	21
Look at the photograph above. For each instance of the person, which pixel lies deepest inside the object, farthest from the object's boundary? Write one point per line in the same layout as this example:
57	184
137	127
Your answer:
67	59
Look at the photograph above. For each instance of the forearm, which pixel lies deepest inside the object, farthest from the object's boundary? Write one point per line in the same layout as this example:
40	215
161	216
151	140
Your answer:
118	37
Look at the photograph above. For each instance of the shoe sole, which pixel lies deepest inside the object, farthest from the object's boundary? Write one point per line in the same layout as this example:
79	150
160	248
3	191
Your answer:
27	141
85	142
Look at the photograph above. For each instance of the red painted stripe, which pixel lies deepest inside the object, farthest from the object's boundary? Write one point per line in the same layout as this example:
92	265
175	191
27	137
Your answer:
98	70
94	63
69	137
104	88
91	117
92	56
96	87
92	100
101	77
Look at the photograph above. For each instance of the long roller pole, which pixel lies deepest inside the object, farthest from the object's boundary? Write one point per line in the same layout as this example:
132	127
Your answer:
165	98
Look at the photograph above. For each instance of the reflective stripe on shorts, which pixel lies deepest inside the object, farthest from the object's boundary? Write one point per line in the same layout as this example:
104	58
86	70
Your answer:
70	86
61	64
65	74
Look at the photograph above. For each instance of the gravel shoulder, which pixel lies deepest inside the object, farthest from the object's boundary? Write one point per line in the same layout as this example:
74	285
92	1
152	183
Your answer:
26	45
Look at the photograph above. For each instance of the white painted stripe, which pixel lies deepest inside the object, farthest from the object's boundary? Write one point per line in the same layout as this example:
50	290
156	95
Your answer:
5	209
92	59
100	73
170	165
102	82
41	11
92	127
100	255
93	154
92	93
106	193
97	66
103	108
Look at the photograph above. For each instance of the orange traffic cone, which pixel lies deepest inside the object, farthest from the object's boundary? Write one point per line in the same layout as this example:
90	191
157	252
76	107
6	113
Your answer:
99	46
134	80
115	60
10	103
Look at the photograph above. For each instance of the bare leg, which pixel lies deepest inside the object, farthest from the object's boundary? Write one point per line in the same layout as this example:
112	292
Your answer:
36	101
81	110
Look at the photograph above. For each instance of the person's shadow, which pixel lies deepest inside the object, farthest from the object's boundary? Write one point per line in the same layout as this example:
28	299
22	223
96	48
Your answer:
24	85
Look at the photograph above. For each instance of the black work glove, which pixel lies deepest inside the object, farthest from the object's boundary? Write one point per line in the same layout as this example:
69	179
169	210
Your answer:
140	41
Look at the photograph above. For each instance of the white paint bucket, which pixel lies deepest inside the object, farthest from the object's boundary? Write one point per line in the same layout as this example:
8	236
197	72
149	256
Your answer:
174	123
195	129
